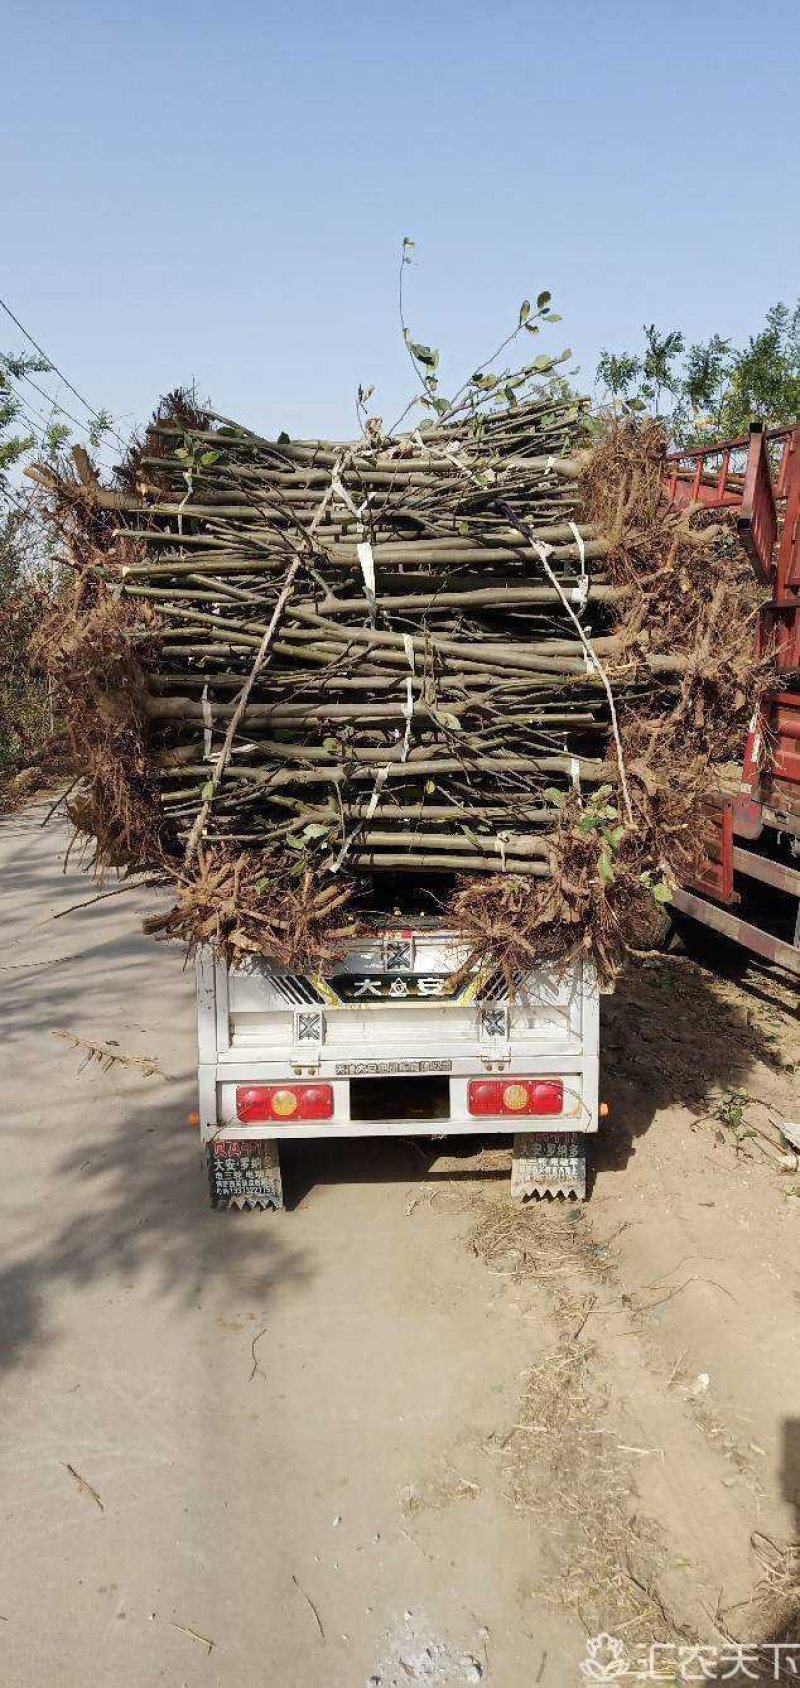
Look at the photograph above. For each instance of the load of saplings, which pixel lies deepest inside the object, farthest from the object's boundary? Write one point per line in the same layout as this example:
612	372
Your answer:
477	665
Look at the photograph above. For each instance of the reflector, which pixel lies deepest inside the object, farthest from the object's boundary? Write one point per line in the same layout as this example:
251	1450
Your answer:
284	1101
515	1096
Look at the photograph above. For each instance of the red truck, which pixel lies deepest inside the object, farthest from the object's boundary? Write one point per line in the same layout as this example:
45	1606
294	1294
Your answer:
749	886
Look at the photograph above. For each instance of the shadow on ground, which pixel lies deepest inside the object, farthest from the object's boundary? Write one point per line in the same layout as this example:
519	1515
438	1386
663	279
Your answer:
672	1035
385	1160
130	1203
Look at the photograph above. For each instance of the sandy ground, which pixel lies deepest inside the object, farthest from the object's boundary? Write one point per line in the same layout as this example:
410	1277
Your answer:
403	1432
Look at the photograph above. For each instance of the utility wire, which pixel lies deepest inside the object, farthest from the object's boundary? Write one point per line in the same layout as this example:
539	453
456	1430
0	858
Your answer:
30	412
42	353
54	402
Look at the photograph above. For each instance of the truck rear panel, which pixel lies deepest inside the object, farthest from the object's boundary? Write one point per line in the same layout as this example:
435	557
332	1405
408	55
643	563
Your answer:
396	1041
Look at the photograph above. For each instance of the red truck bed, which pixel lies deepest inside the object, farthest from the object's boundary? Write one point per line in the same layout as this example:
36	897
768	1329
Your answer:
754	830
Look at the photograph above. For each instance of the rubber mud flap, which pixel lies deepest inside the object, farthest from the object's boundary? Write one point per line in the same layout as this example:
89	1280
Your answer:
244	1173
548	1164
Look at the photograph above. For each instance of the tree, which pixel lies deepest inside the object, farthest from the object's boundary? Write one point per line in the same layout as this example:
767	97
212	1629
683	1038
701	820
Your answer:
658	364
618	371
765	381
25	579
712	389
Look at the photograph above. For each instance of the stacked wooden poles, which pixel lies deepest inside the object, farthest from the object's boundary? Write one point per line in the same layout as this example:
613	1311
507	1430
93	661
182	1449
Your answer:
425	700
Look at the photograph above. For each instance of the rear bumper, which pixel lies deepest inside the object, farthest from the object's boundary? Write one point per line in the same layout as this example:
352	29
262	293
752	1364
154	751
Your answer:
580	1114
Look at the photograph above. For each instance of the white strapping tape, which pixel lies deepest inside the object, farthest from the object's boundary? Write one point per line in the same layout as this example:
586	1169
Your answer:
580	592
367	561
408	647
380	780
408	711
575	772
184	501
208	723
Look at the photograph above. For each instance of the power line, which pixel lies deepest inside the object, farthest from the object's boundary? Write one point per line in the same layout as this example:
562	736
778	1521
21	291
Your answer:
54	402
40	425
28	410
42	353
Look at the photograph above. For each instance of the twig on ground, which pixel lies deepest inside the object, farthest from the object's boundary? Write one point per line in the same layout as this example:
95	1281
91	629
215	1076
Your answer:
310	1604
85	1488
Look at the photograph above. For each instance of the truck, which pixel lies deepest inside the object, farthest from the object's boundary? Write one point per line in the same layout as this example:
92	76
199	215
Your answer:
748	887
399	1039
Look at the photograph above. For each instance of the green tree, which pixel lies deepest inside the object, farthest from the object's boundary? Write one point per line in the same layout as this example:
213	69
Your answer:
658	364
765	379
25	577
618	371
712	389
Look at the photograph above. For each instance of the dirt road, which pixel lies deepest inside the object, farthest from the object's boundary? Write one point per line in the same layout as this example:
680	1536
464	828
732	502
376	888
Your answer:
403	1432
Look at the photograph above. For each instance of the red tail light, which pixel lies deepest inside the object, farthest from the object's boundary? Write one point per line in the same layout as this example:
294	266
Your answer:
515	1096
284	1102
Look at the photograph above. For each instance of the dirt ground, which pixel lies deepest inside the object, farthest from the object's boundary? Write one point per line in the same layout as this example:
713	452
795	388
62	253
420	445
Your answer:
403	1432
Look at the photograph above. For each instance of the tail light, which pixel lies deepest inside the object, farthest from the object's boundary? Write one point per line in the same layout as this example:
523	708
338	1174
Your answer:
515	1096
284	1102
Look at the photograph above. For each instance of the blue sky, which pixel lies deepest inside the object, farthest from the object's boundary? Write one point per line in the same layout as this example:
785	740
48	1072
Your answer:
219	191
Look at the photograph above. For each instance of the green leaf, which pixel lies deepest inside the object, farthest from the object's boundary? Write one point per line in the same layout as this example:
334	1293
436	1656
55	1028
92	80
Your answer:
588	823
616	836
423	354
263	885
532	327
662	891
450	722
543	300
542	363
332	745
294	843
208	458
430	788
552	793
605	866
283	438
207	791
315	829
524	311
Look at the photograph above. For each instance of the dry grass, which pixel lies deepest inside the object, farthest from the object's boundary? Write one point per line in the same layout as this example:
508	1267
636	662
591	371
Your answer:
560	1458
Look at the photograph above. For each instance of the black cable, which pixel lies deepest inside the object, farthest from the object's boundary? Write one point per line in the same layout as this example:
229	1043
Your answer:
56	371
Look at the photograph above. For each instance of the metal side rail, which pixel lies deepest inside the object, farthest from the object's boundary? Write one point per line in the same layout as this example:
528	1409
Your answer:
761	943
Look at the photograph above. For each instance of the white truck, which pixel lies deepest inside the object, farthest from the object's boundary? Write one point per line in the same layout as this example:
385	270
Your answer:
388	1043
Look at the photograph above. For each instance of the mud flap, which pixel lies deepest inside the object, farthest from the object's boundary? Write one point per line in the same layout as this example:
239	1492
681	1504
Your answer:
245	1173
548	1165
